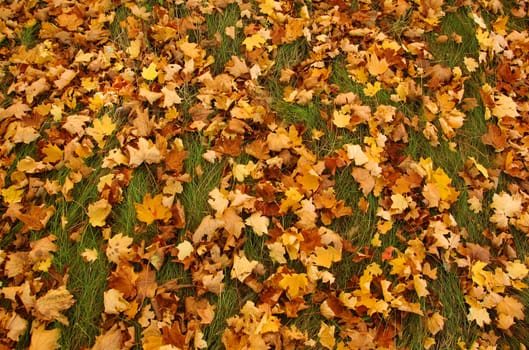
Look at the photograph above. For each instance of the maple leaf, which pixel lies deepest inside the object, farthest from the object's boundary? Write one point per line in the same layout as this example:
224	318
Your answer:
98	212
114	301
242	267
66	77
52	153
75	124
218	201
102	127
146	152
376	66
50	305
435	323
149	73
420	286
479	314
292	200
152	209
251	42
505	106
15	325
259	223
170	96
340	118
295	284
516	269
207	228
41	249
512	307
43	339
89	255
185	249
25	134
326	256
110	339
326	335
118	248
365	179
237	67
36	88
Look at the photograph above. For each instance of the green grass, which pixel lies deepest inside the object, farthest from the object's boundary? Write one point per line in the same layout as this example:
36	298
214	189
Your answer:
227	47
141	183
87	281
204	178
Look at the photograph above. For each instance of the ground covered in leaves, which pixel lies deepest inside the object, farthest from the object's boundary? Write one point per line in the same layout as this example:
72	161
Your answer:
264	174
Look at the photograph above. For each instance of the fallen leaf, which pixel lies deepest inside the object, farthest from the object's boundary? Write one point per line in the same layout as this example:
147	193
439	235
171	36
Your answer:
50	305
152	209
98	212
43	339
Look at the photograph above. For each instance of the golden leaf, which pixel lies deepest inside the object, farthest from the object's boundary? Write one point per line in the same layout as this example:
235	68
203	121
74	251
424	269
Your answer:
152	209
294	284
43	339
251	42
98	212
326	335
149	73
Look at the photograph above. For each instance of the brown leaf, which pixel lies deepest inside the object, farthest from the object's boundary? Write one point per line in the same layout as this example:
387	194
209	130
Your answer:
494	137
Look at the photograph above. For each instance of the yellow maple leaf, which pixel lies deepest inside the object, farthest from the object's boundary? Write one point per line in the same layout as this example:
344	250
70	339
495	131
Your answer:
152	209
149	73
12	194
135	48
326	335
435	323
420	286
98	212
309	180
293	197
341	118
102	127
516	269
479	314
325	256
53	153
294	284
371	89
43	339
251	42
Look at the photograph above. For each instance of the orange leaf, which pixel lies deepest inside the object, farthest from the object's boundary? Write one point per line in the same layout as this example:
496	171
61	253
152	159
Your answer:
152	209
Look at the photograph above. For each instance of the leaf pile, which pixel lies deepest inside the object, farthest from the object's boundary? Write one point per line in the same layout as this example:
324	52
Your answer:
88	115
